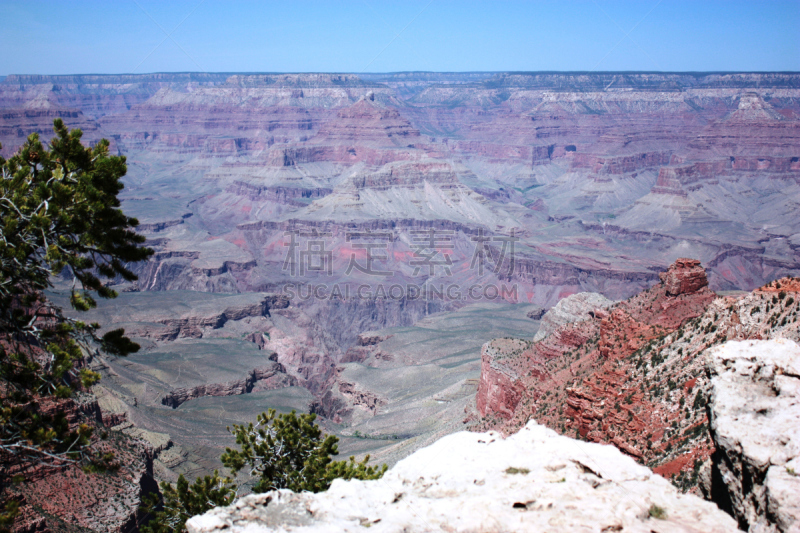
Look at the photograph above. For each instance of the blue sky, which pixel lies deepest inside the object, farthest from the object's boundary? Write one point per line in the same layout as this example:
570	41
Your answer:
122	36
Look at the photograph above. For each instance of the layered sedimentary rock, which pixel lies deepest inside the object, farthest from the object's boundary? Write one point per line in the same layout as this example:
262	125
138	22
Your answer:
634	374
534	480
340	400
685	276
402	388
500	388
189	315
629	168
37	116
194	324
199	350
755	424
269	377
368	121
613	333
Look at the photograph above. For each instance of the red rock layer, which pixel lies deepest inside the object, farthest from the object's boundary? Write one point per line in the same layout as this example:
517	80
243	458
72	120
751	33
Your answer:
367	122
638	379
686	276
499	389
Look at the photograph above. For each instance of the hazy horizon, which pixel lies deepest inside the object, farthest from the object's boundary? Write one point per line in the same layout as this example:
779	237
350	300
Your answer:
386	73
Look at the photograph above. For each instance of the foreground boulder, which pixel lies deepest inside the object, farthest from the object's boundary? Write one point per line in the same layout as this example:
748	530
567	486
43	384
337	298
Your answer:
534	480
755	424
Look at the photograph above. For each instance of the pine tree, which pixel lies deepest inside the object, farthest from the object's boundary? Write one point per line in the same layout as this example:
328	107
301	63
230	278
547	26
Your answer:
59	215
185	501
288	451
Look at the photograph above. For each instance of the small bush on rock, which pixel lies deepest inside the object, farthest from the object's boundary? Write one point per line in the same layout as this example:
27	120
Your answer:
657	512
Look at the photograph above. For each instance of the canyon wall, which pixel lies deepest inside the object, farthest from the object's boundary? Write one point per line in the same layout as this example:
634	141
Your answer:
434	193
57	498
634	374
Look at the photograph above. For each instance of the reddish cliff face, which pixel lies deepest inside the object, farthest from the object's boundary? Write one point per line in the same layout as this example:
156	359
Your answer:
633	375
499	389
682	295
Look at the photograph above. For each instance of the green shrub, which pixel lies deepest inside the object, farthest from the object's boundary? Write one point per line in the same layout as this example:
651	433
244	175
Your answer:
8	512
657	512
289	451
699	401
283	451
185	501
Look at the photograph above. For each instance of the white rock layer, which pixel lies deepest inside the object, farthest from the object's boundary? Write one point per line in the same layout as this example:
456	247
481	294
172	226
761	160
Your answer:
755	424
535	480
574	308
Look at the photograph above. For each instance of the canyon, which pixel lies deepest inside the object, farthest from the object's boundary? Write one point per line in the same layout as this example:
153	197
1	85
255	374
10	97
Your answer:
538	480
381	250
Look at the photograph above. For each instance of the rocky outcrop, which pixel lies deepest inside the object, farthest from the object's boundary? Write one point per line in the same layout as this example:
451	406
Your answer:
339	401
499	389
682	295
367	121
536	313
268	377
534	480
196	322
685	276
365	346
634	375
285	195
620	164
570	309
370	339
755	425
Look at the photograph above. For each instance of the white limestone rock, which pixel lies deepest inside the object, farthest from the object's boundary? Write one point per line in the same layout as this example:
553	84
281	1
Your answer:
574	308
534	480
755	424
